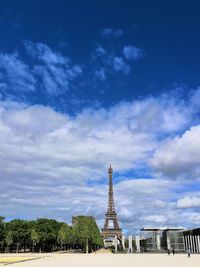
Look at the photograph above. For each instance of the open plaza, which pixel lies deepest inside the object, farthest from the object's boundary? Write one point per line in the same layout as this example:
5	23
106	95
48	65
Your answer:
99	260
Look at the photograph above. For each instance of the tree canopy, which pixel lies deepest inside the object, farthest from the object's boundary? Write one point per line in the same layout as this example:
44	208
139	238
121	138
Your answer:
87	232
49	235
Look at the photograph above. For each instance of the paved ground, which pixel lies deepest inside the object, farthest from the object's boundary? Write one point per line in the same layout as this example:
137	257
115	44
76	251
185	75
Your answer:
109	260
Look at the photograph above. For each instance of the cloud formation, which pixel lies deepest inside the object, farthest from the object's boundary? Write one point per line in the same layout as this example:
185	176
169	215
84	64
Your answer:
46	71
15	74
49	72
109	61
188	202
131	52
120	65
100	74
180	156
43	53
156	218
65	158
110	32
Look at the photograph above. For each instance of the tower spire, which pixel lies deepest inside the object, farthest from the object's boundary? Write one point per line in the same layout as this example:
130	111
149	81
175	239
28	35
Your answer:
111	205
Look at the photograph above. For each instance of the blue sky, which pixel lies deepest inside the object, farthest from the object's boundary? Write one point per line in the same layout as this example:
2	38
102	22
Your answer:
167	36
83	83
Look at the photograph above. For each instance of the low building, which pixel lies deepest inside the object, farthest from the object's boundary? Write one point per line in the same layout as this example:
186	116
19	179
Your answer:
163	238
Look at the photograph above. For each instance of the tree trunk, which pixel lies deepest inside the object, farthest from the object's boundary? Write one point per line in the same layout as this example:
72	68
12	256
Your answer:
86	246
17	250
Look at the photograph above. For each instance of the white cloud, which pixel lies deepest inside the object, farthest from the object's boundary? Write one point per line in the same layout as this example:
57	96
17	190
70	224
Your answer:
45	54
188	202
49	72
29	120
120	65
195	99
16	75
109	32
55	71
100	51
156	218
74	72
148	202
131	52
180	156
90	139
112	61
100	74
48	158
45	155
196	219
160	203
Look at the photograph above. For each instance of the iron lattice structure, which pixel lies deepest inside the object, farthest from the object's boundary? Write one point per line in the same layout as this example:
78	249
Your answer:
111	215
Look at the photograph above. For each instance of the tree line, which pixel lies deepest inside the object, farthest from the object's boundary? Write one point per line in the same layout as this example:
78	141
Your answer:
195	231
45	235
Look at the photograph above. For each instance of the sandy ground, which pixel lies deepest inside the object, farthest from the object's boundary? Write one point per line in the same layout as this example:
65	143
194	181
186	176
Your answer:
109	260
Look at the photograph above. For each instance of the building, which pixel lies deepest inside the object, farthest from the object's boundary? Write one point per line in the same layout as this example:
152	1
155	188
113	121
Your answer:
164	238
192	240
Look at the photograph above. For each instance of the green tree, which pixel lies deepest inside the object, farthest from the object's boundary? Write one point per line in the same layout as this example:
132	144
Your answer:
2	226
63	235
20	232
87	232
72	238
34	238
49	235
47	230
9	240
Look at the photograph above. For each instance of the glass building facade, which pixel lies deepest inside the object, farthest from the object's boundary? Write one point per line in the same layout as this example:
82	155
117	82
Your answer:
162	239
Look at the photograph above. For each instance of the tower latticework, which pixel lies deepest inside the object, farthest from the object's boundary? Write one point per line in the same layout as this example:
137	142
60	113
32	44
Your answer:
111	226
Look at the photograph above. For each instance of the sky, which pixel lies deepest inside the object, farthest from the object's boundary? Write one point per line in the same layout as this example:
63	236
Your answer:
86	83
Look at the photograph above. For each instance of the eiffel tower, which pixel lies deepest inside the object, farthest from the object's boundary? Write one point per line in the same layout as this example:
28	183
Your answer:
111	216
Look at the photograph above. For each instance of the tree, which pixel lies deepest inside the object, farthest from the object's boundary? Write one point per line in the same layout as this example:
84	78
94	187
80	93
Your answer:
9	239
49	235
47	230
63	236
87	232
20	232
34	238
2	226
72	237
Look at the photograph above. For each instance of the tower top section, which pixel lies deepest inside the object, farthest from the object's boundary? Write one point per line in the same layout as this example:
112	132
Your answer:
110	170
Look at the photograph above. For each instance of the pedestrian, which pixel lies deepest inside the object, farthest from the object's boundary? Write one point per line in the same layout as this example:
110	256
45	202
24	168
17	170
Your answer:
173	251
188	252
168	252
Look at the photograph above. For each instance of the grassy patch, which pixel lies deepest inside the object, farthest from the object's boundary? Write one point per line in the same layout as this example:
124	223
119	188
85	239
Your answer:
7	260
